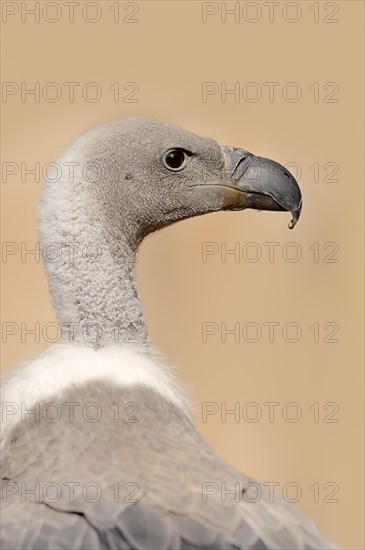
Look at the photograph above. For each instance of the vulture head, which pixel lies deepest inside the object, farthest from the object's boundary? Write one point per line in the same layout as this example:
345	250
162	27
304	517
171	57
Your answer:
156	174
126	179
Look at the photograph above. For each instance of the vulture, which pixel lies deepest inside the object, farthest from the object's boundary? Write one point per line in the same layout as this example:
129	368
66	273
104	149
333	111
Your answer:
98	449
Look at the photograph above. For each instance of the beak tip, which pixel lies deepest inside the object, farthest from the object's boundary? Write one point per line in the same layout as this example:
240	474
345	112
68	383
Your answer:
296	215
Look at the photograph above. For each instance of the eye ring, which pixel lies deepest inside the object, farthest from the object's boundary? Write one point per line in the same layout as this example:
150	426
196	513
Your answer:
175	159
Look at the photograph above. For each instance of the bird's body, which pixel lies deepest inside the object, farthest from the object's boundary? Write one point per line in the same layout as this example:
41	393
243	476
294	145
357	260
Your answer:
98	448
110	462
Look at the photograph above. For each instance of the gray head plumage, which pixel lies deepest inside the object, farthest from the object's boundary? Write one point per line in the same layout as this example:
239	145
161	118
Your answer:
123	181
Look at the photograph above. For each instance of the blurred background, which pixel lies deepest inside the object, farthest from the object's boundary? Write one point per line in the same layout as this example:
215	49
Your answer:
280	79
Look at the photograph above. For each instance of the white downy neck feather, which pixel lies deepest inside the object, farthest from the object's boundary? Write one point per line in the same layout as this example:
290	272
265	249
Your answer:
64	365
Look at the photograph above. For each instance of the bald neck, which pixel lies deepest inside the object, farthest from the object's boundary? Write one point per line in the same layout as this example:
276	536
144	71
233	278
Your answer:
90	263
95	295
108	309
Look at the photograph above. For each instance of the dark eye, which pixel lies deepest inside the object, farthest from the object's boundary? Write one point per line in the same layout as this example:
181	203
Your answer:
175	159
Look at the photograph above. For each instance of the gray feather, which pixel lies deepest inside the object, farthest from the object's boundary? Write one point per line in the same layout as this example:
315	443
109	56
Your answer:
166	509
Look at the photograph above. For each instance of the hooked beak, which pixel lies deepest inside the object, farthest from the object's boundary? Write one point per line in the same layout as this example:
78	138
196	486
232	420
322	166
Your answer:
264	183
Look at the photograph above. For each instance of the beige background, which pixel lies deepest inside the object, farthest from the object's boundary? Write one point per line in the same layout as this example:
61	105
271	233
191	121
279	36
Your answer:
169	52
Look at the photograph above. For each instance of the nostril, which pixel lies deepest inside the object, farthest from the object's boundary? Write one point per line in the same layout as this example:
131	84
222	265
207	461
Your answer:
237	161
